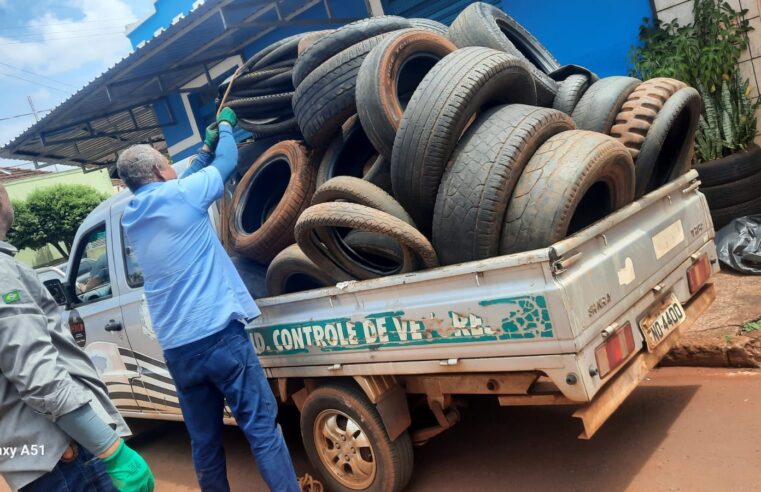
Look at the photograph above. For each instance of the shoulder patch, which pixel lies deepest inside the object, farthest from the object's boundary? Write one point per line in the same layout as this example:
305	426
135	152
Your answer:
12	297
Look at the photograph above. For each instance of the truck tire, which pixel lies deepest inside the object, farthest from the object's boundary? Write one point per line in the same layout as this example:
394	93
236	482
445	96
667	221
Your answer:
386	465
444	103
734	193
253	78
354	190
481	24
256	58
349	153
640	109
598	107
342	39
730	168
359	217
286	51
309	39
268	200
326	98
667	150
476	188
260	104
291	271
569	93
574	179
388	77
430	25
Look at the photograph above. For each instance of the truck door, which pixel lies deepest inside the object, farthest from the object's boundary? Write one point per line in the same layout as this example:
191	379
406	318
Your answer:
154	385
95	320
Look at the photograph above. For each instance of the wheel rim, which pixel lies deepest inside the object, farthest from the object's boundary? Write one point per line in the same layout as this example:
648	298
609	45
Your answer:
344	449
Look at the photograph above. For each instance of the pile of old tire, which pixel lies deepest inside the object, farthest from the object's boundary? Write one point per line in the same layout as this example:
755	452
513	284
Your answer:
731	185
262	91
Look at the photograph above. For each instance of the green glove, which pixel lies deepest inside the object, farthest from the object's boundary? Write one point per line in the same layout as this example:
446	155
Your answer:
212	135
227	115
128	470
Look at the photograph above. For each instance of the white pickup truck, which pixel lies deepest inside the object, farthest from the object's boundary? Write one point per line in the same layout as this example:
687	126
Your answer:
579	323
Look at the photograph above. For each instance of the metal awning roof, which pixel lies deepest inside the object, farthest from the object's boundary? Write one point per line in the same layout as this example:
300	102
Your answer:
117	109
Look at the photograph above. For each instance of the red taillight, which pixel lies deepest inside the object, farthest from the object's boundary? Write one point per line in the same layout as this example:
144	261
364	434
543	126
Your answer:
614	351
77	328
698	273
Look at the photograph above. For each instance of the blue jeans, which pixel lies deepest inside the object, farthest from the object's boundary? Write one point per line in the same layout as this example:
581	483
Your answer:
224	366
85	473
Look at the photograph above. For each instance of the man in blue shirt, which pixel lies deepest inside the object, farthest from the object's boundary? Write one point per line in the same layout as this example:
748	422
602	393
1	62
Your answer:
197	301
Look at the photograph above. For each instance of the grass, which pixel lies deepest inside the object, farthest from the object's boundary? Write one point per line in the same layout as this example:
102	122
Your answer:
750	326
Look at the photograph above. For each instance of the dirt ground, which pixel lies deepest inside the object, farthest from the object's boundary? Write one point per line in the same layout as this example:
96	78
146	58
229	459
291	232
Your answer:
717	338
687	429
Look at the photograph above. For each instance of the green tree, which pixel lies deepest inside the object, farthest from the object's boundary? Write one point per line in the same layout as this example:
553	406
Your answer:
52	216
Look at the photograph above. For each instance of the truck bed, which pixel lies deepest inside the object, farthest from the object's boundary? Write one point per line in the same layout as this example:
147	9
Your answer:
541	310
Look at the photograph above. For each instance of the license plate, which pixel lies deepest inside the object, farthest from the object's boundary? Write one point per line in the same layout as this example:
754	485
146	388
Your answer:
662	320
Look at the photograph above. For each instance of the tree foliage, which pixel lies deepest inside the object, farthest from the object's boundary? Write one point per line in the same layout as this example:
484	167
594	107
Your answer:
52	216
704	54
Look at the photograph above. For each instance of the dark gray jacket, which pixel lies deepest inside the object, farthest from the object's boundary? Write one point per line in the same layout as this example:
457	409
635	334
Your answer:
43	375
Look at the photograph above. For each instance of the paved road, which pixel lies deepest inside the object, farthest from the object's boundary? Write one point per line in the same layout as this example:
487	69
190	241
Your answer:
684	429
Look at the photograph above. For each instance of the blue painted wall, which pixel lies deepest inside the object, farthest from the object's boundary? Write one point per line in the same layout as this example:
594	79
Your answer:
597	34
165	11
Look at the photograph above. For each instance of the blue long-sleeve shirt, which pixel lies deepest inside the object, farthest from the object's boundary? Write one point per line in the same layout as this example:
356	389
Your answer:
192	288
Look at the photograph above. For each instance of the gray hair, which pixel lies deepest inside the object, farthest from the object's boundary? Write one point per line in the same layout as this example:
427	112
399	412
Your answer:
136	164
6	213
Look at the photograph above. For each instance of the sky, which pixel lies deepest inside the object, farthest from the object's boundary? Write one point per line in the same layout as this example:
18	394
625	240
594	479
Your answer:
51	48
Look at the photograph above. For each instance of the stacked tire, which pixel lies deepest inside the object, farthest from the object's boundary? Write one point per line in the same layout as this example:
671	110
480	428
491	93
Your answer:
418	145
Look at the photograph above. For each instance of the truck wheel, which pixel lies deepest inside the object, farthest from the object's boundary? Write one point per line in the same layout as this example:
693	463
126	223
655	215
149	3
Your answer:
574	179
346	441
598	107
326	97
476	188
481	24
443	105
341	39
388	78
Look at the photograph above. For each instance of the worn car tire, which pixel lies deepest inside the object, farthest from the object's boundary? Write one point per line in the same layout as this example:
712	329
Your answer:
574	179
730	168
430	25
349	153
287	51
476	188
291	271
443	104
326	98
388	77
598	107
667	150
723	216
569	93
359	217
481	24
393	459
354	190
734	193
249	152
310	38
342	39
268	200
380	249
640	109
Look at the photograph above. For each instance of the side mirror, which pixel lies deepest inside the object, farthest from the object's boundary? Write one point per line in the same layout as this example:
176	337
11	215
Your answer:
58	291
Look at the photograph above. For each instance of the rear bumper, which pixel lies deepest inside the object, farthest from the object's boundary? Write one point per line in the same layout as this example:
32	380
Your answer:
594	414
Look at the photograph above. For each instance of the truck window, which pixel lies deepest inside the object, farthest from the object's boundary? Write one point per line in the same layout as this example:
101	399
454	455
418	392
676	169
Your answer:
131	266
93	279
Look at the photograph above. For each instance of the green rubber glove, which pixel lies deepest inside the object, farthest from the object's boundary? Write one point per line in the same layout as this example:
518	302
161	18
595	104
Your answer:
128	470
227	115
212	135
